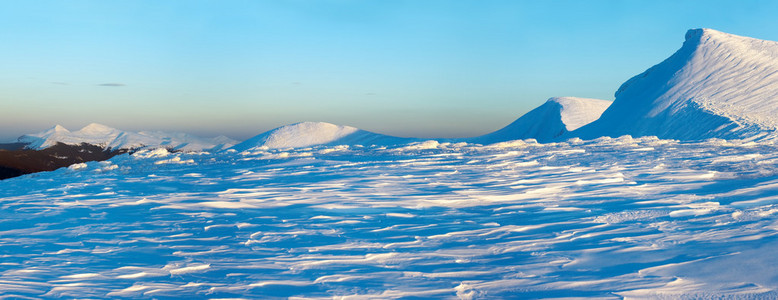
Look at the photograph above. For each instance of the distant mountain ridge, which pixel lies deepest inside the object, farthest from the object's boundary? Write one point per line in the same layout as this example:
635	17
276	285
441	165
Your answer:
554	118
115	139
717	85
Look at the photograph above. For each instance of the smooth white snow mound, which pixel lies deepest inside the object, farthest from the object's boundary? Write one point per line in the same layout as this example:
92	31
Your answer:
552	119
308	134
717	85
108	137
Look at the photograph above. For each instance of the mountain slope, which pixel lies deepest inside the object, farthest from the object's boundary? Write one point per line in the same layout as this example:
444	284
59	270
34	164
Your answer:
717	85
112	138
17	162
307	134
554	118
94	134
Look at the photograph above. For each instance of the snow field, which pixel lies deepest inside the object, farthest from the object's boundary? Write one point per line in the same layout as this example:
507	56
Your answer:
610	218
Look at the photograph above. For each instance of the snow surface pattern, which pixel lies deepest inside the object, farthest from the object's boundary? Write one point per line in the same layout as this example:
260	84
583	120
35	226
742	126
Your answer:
603	218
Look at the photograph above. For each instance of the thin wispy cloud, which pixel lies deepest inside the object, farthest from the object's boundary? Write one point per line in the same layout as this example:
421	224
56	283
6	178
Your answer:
112	84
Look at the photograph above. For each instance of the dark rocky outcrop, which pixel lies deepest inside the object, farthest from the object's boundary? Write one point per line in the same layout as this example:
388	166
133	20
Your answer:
15	160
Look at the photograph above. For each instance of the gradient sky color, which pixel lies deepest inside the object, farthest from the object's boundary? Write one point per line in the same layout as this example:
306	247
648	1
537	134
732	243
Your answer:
408	68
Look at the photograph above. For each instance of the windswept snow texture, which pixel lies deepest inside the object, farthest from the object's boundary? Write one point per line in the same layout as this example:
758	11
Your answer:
717	85
604	218
308	134
107	137
547	122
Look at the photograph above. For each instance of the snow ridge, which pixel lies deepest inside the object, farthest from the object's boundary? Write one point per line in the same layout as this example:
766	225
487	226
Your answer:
717	85
112	138
554	118
306	134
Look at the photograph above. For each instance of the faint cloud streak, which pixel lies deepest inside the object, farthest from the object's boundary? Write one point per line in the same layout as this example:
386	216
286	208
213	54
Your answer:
112	84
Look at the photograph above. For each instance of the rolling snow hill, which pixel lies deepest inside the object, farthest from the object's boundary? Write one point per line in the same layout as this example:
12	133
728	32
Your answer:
115	139
308	134
554	118
546	122
717	85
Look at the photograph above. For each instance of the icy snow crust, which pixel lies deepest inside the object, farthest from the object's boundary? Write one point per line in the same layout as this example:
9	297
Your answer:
717	85
623	217
104	136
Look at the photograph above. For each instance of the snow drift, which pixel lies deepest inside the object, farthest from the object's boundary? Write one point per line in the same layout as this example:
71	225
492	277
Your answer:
307	134
717	85
554	118
115	139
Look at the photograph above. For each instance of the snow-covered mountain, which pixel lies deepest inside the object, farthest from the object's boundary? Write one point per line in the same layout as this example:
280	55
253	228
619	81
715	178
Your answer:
307	134
546	122
717	85
94	134
112	138
554	118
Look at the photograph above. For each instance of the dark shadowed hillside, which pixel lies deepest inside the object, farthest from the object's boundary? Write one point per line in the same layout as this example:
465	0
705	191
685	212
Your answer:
16	161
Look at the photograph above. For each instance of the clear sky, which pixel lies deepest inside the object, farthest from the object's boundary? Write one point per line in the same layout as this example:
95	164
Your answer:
421	68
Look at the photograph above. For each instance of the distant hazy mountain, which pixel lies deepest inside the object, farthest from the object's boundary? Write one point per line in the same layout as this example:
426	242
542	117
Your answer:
115	139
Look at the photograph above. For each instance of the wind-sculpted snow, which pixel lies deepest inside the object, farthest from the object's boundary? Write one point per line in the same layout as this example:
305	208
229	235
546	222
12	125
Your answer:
604	218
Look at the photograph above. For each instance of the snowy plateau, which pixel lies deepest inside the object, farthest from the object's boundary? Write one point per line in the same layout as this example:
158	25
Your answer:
670	192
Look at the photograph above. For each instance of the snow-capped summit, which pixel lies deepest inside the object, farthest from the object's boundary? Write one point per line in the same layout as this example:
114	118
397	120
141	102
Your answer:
112	138
307	134
95	134
717	85
97	129
58	128
552	119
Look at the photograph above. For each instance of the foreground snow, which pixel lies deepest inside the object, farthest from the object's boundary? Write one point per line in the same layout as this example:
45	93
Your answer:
606	218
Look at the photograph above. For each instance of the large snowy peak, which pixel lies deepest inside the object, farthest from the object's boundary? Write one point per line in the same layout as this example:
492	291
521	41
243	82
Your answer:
115	139
554	118
717	85
306	134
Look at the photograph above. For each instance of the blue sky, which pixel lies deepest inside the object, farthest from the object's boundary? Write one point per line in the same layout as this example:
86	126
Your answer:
408	68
